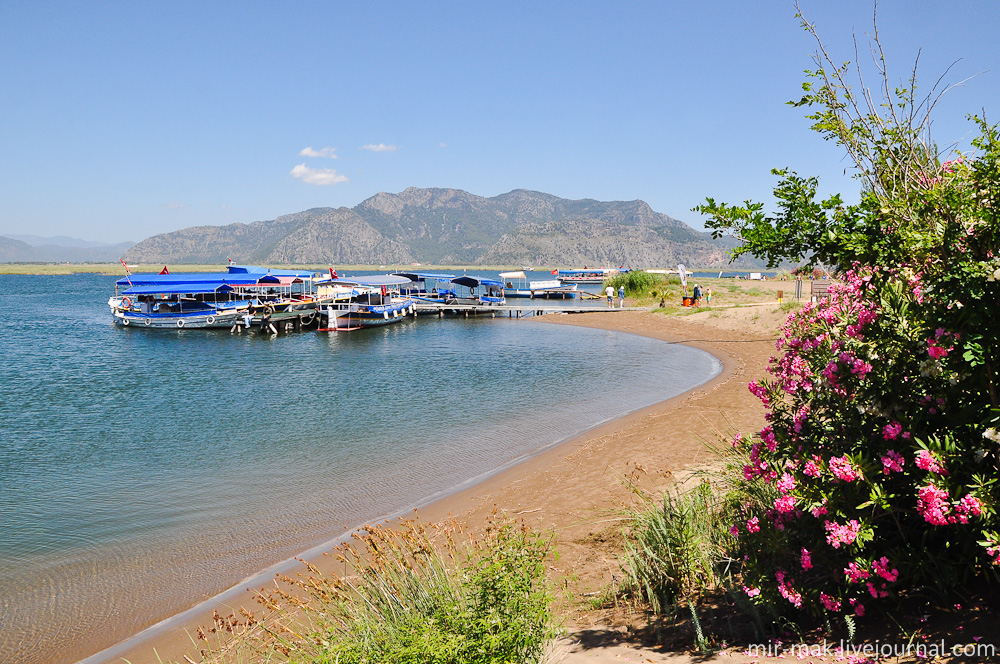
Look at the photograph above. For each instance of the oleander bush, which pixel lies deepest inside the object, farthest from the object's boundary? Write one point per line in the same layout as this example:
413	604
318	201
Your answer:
881	450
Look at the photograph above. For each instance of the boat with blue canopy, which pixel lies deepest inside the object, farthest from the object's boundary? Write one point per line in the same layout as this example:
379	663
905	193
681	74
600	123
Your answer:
352	303
480	290
517	284
427	286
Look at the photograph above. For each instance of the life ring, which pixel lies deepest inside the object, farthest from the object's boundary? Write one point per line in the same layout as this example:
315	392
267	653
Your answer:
127	303
210	320
147	322
125	321
180	323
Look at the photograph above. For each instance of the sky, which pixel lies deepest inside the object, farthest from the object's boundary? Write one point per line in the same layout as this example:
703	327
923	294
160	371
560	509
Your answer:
121	120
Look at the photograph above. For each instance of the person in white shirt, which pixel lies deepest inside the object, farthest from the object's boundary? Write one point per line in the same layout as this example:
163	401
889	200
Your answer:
610	290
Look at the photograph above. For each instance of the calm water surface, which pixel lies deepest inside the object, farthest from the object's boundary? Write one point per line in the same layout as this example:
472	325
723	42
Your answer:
142	470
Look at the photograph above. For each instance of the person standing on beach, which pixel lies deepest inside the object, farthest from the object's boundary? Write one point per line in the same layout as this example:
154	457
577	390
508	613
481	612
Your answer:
708	296
621	297
610	291
697	294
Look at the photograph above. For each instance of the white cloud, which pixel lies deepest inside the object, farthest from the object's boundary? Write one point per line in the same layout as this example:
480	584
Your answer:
442	145
317	176
381	147
330	153
174	205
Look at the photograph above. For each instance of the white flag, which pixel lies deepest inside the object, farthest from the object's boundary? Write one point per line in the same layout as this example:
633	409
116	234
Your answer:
683	274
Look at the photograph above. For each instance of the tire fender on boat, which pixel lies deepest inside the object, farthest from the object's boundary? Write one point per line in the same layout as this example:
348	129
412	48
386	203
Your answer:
210	320
385	315
147	322
125	321
180	323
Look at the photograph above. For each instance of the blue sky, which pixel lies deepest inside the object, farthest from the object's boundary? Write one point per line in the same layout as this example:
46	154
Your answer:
126	119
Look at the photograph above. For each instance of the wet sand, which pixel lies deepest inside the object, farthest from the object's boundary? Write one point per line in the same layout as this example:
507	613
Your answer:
574	490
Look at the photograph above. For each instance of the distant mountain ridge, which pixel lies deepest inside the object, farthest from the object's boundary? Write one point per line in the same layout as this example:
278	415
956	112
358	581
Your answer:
451	226
59	249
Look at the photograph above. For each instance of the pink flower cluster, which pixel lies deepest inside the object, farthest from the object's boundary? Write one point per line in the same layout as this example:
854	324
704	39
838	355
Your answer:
881	567
828	602
837	534
751	592
855	573
892	462
786	590
937	510
843	469
811	468
935	345
806	559
927	461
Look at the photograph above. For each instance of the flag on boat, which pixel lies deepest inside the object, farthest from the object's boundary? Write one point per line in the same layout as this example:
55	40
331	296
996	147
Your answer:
555	271
333	273
164	270
127	271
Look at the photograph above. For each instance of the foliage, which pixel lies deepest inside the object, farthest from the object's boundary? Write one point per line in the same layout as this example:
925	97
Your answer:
636	282
881	446
674	547
404	599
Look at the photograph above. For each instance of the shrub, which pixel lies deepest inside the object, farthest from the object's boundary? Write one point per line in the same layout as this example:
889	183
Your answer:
405	599
636	282
881	446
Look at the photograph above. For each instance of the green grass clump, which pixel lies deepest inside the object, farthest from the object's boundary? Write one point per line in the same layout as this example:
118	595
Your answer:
404	598
636	282
675	547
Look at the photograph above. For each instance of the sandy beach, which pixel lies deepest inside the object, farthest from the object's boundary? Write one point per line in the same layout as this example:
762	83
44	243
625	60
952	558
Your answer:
576	490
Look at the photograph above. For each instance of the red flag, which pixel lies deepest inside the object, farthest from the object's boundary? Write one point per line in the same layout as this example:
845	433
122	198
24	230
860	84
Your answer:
555	271
127	273
333	274
164	270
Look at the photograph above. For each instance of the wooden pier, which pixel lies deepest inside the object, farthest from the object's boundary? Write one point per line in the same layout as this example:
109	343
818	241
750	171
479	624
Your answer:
511	311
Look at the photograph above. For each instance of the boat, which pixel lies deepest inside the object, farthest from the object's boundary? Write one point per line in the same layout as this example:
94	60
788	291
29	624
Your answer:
490	291
586	275
209	299
360	302
517	284
177	306
427	286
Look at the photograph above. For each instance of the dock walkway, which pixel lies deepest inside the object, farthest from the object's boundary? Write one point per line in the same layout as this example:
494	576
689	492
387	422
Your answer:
512	311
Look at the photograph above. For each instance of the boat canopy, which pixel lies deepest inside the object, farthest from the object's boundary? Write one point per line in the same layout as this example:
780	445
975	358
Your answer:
513	275
377	280
280	280
238	275
473	282
596	270
423	276
179	289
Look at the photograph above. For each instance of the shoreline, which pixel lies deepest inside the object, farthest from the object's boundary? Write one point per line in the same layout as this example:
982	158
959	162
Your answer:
564	487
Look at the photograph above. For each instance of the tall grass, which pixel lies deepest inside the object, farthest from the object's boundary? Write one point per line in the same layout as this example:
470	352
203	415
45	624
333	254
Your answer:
636	282
675	547
404	597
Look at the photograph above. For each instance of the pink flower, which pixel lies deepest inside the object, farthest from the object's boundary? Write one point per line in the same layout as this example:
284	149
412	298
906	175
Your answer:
734	530
936	351
785	504
842	469
892	430
811	468
806	559
932	504
837	534
830	603
854	573
892	462
881	567
786	483
927	461
751	592
753	525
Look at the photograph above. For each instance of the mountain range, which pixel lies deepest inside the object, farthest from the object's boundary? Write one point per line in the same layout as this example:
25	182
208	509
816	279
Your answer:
450	227
429	226
60	249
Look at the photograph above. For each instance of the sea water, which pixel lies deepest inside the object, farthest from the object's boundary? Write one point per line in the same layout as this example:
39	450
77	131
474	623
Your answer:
144	470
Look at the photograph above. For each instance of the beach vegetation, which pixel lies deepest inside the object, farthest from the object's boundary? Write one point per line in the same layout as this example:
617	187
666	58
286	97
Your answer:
635	282
405	596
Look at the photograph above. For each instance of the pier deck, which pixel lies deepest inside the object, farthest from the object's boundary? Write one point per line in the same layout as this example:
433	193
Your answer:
511	310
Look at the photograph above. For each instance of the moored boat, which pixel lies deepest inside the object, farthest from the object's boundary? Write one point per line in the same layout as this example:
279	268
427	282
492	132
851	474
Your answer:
517	284
359	302
586	275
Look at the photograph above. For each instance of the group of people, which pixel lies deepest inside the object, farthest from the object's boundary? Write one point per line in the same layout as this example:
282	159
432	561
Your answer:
697	294
610	291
